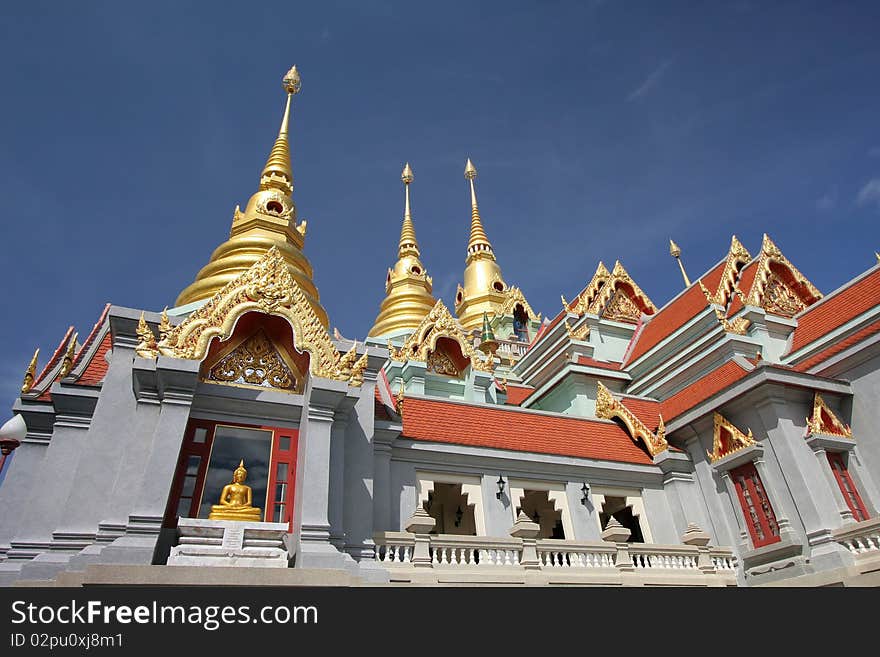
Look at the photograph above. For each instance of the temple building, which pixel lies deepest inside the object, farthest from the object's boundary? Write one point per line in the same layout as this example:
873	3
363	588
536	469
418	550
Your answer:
725	437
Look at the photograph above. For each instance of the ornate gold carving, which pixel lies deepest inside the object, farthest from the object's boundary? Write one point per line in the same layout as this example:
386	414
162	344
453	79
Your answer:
736	441
67	362
621	308
255	362
608	407
29	373
770	254
437	324
737	256
585	298
399	399
780	300
164	324
603	294
267	287
582	332
442	364
738	326
357	371
146	347
824	421
514	297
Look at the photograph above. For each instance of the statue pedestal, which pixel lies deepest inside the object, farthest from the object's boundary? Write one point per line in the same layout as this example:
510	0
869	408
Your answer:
230	543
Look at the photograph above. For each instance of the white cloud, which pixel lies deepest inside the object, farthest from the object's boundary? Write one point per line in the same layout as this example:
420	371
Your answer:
652	81
827	201
870	193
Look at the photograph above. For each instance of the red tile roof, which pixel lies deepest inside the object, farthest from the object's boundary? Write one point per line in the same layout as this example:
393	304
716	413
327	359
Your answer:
646	410
836	310
837	347
675	314
516	395
521	431
702	389
89	340
97	367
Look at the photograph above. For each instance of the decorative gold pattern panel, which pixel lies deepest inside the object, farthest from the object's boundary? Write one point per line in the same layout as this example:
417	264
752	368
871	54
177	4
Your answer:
256	362
621	308
780	300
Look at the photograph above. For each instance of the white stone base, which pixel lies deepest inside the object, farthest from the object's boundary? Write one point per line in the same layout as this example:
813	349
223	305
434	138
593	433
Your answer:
230	543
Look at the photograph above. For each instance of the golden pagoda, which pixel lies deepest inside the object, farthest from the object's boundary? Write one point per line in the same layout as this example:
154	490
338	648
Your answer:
268	220
408	288
484	289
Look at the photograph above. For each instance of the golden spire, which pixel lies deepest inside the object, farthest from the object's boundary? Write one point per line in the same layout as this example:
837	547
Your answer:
484	290
268	220
408	288
408	244
278	173
675	252
478	242
29	373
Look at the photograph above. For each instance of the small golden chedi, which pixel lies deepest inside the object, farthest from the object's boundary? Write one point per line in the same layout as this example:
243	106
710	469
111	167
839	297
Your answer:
236	499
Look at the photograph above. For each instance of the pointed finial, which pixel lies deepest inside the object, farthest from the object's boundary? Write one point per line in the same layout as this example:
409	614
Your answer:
470	171
292	82
877	255
278	174
29	373
408	244
478	241
675	252
67	363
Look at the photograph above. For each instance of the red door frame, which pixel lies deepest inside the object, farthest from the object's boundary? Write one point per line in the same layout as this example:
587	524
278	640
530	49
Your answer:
277	457
752	498
847	486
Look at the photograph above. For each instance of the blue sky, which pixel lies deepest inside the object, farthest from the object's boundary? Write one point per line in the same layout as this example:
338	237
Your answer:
599	129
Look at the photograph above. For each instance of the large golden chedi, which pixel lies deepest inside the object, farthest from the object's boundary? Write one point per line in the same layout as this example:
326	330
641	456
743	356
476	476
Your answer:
408	297
268	220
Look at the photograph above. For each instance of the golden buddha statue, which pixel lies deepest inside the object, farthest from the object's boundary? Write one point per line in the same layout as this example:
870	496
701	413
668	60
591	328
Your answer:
236	499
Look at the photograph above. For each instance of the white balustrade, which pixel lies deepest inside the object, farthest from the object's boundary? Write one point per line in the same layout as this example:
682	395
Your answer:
860	537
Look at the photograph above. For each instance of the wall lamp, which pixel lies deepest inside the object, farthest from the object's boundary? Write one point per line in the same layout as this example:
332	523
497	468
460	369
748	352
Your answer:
500	484
585	494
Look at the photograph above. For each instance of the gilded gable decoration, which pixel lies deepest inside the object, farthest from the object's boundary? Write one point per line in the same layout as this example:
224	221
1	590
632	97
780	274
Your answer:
582	303
514	297
737	257
823	420
772	292
739	326
727	439
607	407
437	324
255	361
614	296
267	287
